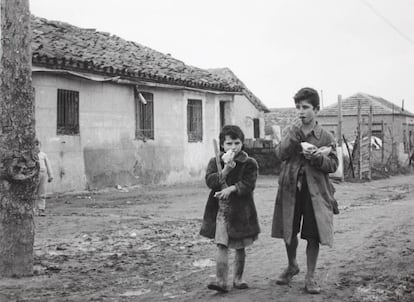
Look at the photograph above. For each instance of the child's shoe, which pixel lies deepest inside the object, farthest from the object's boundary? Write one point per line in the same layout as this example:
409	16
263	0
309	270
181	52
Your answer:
311	286
222	288
42	212
240	285
287	275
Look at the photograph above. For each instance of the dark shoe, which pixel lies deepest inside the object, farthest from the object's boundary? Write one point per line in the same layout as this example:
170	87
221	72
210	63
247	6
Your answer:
42	213
217	287
241	285
287	275
311	286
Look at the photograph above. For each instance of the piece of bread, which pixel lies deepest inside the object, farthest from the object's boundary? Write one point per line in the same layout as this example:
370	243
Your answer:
228	156
324	150
306	147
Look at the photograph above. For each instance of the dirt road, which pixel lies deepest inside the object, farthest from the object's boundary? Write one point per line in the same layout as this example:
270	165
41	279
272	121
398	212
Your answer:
142	244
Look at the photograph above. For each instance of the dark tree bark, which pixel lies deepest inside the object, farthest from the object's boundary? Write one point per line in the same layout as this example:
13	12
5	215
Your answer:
18	163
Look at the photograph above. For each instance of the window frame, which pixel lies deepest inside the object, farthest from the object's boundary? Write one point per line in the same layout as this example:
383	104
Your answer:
144	116
194	120
256	128
67	112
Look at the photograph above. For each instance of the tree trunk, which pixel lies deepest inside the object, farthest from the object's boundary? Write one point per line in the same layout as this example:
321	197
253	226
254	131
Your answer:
18	163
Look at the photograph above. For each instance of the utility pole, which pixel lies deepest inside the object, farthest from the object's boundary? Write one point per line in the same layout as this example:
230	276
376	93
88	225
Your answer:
321	99
18	162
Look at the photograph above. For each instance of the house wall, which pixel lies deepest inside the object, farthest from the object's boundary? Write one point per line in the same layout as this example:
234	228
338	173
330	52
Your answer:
349	125
349	129
106	153
244	113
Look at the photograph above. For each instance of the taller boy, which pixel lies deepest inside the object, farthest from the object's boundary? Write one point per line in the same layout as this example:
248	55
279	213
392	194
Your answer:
305	191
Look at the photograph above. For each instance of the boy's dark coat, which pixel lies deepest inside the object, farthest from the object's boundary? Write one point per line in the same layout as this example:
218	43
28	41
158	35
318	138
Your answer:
241	215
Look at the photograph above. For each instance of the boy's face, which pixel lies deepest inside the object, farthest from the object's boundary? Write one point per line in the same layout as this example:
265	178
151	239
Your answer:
232	144
305	111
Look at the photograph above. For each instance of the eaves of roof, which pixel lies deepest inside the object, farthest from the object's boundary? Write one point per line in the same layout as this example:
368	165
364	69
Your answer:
379	105
58	45
228	75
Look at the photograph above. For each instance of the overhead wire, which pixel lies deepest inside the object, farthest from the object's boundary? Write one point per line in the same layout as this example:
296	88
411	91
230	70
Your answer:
387	21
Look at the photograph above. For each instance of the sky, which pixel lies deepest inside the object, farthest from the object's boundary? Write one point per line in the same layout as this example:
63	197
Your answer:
276	47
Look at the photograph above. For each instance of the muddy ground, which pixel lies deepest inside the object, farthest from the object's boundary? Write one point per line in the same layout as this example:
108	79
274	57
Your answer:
142	244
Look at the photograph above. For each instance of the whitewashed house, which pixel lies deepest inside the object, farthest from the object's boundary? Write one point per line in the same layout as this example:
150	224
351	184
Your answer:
111	111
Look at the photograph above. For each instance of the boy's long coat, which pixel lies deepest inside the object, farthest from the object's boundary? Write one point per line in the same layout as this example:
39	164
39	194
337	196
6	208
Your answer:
241	212
320	187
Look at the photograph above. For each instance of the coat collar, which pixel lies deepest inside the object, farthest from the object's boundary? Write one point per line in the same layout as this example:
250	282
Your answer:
316	131
241	157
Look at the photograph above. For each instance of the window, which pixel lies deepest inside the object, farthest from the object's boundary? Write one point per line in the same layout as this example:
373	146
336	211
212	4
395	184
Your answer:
405	141
67	112
222	114
377	133
195	121
256	128
144	107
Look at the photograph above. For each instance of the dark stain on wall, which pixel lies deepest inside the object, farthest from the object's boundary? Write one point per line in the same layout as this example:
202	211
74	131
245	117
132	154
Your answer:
126	163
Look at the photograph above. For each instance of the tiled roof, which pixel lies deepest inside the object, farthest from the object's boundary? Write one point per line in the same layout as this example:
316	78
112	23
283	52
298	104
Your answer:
227	75
380	106
279	116
60	45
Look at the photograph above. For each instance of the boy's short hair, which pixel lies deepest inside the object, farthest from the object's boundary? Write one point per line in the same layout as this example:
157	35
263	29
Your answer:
233	131
308	94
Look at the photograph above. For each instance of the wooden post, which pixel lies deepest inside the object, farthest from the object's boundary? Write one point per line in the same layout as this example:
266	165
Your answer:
340	151
340	120
359	139
383	142
369	142
393	149
18	161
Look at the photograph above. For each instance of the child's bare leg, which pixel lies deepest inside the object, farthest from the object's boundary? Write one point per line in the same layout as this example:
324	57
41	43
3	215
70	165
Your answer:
312	252
239	260
222	269
291	252
293	268
41	197
222	264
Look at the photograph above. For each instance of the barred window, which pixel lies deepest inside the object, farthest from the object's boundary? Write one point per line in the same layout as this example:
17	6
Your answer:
144	107
67	112
195	120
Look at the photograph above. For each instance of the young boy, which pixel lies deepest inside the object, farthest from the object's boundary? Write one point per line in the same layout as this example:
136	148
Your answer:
305	192
44	173
230	215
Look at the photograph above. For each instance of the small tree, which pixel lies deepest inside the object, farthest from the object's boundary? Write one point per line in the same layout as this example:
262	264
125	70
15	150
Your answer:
18	163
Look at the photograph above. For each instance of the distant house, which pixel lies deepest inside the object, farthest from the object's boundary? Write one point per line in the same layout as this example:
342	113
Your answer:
111	111
279	117
390	122
248	115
